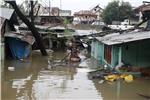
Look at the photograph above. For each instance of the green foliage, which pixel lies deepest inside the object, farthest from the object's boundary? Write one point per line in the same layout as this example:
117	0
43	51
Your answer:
116	12
125	11
66	21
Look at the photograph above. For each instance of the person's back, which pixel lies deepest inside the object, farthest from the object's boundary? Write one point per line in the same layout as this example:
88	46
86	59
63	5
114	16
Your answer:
74	52
148	25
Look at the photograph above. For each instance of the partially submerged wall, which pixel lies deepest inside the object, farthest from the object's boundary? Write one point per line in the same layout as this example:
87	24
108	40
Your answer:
136	53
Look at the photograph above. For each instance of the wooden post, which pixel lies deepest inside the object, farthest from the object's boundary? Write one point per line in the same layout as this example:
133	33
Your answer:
120	56
32	12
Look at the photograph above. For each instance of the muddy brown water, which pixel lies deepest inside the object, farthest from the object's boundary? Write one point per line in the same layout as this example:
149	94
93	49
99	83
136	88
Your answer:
34	79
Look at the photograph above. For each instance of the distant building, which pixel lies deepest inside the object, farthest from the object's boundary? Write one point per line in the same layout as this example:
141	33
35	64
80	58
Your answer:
49	15
85	16
64	12
139	10
89	16
42	11
98	11
54	11
45	11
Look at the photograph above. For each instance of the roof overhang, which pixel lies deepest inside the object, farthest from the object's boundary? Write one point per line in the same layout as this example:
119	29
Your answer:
124	38
6	13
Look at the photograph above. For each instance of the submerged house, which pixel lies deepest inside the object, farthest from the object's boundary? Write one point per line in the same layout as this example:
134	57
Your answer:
5	25
16	43
129	48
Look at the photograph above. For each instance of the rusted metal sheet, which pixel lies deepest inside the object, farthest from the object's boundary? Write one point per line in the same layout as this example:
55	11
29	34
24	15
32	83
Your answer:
22	36
107	53
117	38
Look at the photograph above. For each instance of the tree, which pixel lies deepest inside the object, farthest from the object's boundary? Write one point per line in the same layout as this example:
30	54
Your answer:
31	26
116	12
125	11
4	4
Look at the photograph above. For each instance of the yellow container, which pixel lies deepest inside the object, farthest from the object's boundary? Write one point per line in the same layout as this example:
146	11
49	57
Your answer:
128	78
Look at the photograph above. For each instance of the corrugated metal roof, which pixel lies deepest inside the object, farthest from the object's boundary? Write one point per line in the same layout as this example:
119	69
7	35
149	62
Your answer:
124	38
143	7
6	12
22	36
85	32
58	27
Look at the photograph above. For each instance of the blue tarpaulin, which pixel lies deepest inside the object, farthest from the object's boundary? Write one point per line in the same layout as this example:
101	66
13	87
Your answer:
19	49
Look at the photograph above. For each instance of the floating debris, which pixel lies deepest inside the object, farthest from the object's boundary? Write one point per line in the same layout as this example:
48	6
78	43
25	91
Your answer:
11	68
144	96
101	81
110	75
99	74
128	78
111	78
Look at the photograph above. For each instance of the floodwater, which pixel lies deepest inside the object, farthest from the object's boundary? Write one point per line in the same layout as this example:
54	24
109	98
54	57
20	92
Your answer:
46	78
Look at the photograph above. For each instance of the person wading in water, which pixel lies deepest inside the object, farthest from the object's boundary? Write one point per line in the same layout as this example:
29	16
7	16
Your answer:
73	52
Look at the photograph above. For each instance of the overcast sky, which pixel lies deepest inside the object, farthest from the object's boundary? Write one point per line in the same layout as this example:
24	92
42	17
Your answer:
76	5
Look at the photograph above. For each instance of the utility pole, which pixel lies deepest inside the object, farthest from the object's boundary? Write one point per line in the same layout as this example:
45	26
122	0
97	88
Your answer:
49	7
60	4
32	12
